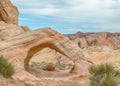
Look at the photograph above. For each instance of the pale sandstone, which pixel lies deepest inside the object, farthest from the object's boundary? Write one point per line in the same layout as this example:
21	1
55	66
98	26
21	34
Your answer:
19	45
100	56
10	30
20	49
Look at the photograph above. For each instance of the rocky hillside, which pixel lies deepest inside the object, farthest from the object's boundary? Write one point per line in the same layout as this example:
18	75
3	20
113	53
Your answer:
102	47
85	40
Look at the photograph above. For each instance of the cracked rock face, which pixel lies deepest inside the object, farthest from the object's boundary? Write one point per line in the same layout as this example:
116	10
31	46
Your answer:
8	12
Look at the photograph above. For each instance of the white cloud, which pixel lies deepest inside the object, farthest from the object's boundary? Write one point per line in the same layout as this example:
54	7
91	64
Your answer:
105	27
66	7
102	11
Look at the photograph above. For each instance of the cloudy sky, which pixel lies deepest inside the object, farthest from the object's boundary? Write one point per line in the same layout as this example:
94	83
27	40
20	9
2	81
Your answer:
70	16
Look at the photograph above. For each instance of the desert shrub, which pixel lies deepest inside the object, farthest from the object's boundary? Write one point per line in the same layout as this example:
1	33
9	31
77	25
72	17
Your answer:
6	69
103	75
63	66
33	64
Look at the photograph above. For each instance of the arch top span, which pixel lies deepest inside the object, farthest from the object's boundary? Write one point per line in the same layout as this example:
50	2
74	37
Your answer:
38	48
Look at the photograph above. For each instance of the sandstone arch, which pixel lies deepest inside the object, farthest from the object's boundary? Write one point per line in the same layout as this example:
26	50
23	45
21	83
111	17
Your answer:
38	48
18	45
20	49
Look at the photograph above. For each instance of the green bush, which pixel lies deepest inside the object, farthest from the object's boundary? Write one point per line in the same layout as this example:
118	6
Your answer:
103	75
6	69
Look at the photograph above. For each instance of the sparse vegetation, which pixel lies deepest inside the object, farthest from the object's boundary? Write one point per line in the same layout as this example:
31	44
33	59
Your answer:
52	66
32	64
6	69
103	75
63	66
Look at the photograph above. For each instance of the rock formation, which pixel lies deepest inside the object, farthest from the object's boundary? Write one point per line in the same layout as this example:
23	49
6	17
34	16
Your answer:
105	55
18	44
81	42
96	39
8	12
103	47
10	30
20	49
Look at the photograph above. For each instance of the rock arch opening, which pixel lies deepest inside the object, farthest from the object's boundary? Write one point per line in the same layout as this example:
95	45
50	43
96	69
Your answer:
35	51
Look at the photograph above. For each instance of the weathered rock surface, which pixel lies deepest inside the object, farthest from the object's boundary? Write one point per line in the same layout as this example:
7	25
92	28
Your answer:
103	55
96	39
21	48
81	42
18	45
101	47
8	12
10	30
33	41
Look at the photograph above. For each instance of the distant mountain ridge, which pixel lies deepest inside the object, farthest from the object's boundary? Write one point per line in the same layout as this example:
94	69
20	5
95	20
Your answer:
85	40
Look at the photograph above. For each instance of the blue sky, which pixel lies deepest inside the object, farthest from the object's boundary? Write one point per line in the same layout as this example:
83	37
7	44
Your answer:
70	16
